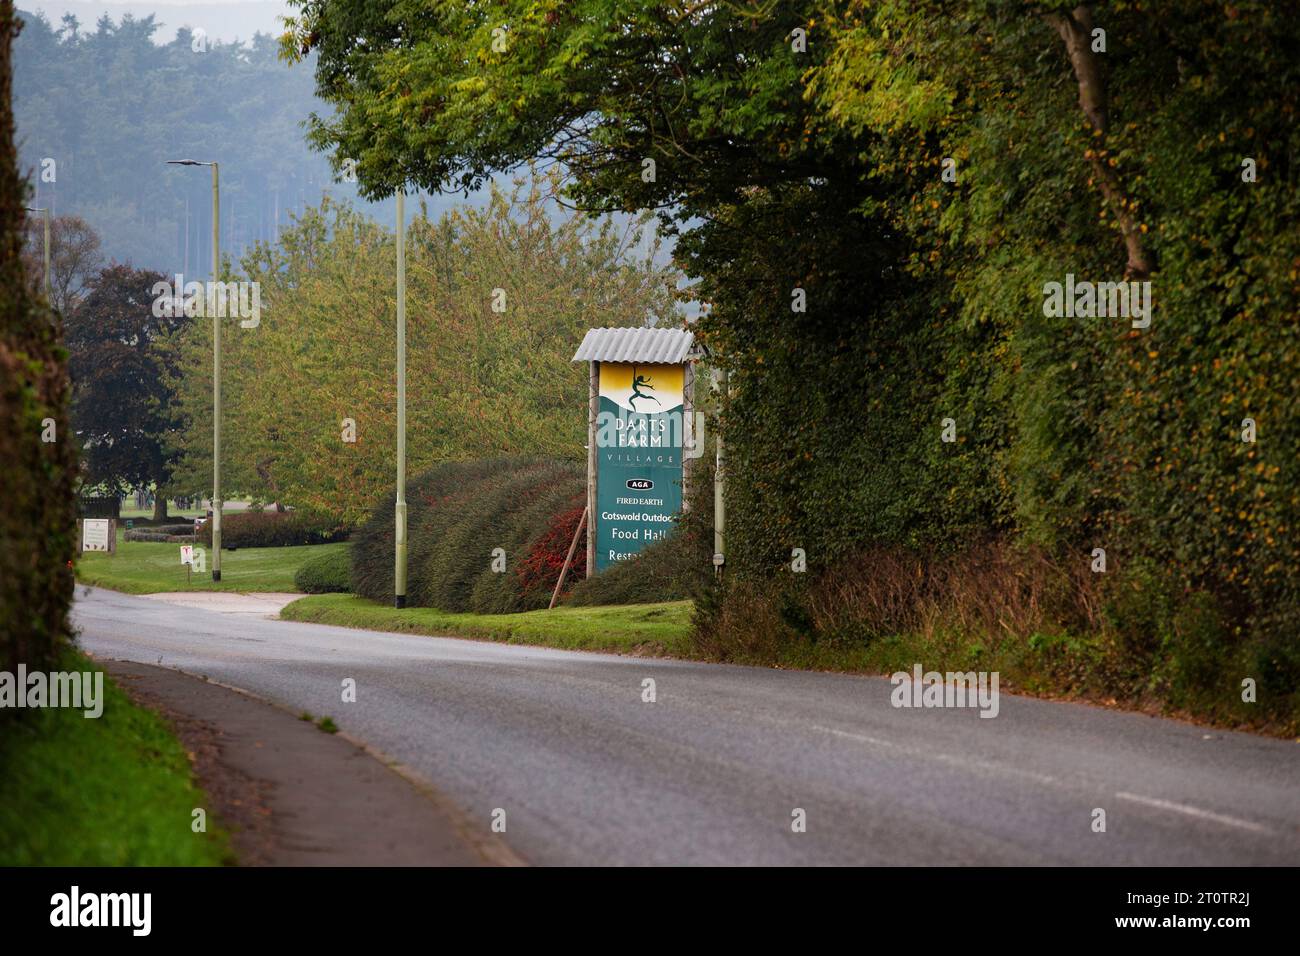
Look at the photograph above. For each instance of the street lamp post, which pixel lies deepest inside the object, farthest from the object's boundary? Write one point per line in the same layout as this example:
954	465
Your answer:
399	535
719	480
45	215
216	365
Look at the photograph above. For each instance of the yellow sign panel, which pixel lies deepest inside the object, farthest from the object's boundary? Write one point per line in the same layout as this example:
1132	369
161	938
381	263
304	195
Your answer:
645	389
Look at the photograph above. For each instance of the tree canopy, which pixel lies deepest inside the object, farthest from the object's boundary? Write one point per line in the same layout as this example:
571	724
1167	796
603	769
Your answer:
497	300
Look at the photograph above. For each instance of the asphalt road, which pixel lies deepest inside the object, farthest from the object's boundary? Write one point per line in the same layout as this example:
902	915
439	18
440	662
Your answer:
713	771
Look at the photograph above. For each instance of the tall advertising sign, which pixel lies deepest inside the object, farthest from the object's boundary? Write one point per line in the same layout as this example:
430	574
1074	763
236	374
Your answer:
639	457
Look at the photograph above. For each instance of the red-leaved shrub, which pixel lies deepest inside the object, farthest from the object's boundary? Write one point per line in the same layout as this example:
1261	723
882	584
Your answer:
540	568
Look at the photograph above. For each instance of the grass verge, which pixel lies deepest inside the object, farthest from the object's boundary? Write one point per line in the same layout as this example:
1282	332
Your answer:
1066	667
116	790
148	567
646	629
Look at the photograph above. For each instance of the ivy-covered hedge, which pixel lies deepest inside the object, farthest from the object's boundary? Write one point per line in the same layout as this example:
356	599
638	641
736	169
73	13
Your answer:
1174	447
38	456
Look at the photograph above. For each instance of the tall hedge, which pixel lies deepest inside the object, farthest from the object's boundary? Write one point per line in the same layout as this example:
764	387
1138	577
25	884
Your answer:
38	505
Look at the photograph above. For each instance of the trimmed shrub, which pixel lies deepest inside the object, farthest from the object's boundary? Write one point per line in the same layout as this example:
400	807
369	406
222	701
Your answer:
372	545
458	543
272	529
134	535
186	527
556	507
458	514
653	575
329	573
170	533
544	559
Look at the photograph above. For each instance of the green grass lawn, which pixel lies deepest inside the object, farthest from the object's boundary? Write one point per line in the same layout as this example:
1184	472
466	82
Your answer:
116	790
654	629
147	567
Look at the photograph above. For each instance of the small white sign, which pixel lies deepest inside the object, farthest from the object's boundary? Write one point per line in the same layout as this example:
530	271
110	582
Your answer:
187	554
94	534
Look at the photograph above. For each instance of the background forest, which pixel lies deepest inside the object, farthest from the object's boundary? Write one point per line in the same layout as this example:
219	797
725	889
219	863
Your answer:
191	97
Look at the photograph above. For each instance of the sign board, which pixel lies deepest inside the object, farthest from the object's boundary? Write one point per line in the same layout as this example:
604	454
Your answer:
639	456
97	534
187	554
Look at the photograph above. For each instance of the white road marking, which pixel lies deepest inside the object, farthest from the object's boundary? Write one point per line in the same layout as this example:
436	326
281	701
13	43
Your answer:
934	755
1194	812
845	733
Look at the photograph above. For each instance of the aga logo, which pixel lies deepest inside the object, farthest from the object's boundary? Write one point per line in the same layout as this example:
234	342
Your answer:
640	484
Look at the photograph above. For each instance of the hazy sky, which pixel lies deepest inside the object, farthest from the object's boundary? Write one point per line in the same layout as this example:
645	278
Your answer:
222	19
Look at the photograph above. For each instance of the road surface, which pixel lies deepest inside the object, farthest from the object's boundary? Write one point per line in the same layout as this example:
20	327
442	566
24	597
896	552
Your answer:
715	770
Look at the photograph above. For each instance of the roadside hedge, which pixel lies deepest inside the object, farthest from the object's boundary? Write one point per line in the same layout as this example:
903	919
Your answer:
329	573
458	514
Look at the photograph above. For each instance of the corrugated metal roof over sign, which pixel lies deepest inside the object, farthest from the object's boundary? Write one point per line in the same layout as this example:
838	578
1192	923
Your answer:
652	346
